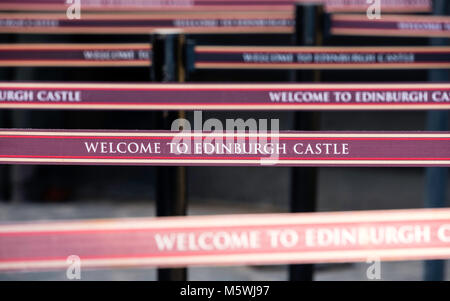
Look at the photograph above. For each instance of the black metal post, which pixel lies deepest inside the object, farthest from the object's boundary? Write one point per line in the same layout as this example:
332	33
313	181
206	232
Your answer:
6	74
436	178
5	170
309	30
167	66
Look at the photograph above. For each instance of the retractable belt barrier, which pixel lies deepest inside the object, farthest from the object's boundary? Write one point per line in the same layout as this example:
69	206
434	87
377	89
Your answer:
367	58
72	147
228	240
75	55
116	96
391	25
216	5
228	57
238	22
202	23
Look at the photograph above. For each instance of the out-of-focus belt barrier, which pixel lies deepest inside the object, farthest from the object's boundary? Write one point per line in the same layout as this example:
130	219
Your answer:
239	22
367	58
228	240
228	57
391	25
216	5
202	23
75	55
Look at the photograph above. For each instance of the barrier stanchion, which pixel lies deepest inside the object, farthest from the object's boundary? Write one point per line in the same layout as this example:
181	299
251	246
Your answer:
436	177
304	180
168	47
5	170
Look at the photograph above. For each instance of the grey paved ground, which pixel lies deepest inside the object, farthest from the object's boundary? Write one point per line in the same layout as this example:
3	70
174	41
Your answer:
21	212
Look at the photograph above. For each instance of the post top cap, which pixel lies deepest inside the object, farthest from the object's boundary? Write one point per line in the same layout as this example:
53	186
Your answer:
167	31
